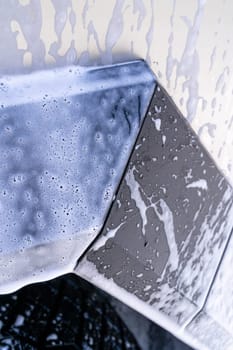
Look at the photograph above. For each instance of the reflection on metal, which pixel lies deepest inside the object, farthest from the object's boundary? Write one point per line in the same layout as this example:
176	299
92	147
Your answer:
167	229
66	136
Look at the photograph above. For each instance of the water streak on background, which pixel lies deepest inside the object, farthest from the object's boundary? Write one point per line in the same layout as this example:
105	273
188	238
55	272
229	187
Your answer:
188	44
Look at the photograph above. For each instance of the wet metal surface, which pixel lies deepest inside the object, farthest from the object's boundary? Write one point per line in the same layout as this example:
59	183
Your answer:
66	136
170	222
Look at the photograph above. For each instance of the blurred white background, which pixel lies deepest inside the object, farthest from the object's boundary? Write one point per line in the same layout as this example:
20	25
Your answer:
188	44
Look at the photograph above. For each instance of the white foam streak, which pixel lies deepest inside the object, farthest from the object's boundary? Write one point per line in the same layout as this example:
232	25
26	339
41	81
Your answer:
136	196
202	184
103	239
165	216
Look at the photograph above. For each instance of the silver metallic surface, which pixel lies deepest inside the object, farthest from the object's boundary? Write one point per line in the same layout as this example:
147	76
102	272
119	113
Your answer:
66	136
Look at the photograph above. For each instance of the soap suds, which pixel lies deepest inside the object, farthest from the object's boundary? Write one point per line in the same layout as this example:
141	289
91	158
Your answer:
157	123
202	184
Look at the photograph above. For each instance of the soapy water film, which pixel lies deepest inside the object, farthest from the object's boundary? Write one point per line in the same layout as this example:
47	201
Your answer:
63	151
62	158
187	44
